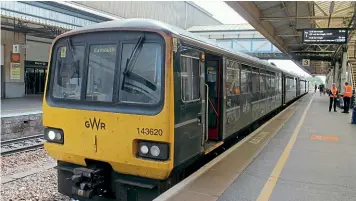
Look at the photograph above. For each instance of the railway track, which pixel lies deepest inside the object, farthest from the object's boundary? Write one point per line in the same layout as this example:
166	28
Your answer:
21	144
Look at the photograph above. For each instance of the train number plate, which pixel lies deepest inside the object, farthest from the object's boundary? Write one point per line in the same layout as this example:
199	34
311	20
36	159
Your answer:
150	131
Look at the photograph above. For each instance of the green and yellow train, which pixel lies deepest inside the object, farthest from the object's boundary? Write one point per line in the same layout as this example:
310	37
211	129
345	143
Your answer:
129	103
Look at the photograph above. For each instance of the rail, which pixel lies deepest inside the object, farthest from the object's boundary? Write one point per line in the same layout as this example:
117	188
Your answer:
21	144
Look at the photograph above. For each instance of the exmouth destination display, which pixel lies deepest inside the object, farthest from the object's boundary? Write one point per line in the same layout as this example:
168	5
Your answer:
325	36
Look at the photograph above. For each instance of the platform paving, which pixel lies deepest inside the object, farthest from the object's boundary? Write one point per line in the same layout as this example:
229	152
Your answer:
21	106
321	165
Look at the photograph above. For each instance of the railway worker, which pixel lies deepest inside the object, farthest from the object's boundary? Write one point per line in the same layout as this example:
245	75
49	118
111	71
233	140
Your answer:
347	97
237	91
333	95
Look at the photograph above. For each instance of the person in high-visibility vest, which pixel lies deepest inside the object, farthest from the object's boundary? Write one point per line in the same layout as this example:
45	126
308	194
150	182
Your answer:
347	97
333	95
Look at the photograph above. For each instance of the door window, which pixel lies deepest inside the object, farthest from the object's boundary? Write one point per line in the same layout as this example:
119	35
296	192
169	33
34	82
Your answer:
190	78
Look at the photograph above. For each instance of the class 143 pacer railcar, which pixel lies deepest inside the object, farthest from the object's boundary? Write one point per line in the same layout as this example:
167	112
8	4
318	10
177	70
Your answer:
130	103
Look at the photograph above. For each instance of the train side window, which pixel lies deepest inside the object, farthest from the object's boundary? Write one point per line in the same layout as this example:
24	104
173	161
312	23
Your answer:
245	79
288	84
262	83
232	83
190	78
273	84
280	83
277	83
255	88
268	83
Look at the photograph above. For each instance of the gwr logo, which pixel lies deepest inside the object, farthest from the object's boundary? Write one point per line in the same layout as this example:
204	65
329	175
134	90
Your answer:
93	123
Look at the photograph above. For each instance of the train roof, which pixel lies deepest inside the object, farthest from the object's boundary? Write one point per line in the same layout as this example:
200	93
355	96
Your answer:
172	30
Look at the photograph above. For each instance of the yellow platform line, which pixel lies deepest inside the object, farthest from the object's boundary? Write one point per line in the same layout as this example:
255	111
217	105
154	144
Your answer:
272	180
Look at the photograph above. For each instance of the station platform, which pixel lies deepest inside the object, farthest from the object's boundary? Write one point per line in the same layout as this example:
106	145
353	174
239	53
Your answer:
21	117
304	153
21	106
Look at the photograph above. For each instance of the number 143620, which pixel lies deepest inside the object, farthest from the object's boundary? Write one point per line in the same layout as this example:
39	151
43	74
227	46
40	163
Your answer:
150	131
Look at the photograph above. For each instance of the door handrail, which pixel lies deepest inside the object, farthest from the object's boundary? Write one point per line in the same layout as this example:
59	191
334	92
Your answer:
213	107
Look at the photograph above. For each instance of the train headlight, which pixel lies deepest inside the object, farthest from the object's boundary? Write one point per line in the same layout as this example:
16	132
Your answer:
144	149
51	135
153	150
54	135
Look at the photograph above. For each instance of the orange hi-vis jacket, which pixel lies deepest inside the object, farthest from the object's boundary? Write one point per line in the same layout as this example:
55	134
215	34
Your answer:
348	91
333	92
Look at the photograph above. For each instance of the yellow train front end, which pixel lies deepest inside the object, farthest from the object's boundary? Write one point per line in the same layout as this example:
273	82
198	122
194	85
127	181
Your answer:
107	112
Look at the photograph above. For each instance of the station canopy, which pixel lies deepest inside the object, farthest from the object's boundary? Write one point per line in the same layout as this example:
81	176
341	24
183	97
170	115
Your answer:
285	22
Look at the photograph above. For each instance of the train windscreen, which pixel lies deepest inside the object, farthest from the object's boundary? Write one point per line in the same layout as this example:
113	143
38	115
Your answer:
108	69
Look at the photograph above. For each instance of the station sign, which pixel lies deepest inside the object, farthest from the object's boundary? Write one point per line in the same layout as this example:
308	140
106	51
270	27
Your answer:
15	57
306	62
16	49
325	36
36	64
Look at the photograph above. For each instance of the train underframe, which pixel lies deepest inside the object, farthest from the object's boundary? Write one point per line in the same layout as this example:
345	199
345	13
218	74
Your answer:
98	182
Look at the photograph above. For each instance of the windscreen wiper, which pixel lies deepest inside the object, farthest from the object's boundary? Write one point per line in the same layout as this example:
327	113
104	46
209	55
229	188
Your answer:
74	61
131	59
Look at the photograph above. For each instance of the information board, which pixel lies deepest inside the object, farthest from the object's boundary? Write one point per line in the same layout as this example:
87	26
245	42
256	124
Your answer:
15	73
325	36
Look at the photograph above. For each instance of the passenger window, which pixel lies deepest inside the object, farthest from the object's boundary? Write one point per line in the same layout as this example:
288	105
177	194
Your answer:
262	83
273	85
268	83
255	81
101	71
190	78
245	79
232	83
279	83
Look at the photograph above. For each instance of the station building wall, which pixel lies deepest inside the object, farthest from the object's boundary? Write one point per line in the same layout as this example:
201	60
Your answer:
34	51
12	88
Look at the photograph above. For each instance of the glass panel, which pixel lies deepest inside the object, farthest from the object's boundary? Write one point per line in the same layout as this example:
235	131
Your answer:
232	83
255	83
142	82
68	73
245	79
190	79
101	72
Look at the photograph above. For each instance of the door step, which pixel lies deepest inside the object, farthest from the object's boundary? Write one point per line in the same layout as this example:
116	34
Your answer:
212	145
